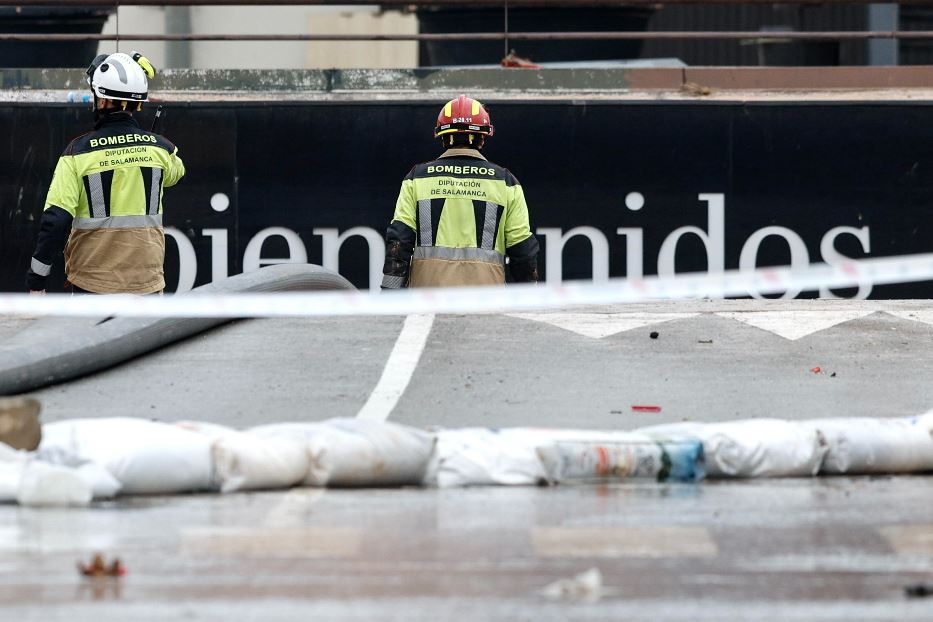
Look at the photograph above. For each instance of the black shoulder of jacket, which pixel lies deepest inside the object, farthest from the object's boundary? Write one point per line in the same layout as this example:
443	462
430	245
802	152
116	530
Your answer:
463	167
411	173
167	143
116	136
510	179
70	149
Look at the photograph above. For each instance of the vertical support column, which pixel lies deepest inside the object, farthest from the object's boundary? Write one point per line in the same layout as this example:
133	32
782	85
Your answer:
178	22
883	17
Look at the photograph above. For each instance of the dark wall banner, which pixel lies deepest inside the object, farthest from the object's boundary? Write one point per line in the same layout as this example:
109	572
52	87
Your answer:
614	188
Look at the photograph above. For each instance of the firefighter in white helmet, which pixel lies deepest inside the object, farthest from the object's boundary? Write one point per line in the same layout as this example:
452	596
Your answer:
104	206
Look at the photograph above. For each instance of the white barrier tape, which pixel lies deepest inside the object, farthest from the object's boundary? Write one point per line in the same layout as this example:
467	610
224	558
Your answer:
879	271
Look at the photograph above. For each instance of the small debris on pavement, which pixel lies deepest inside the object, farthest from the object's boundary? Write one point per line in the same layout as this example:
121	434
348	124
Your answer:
816	370
615	412
832	375
919	590
100	568
654	334
646	408
704	341
586	586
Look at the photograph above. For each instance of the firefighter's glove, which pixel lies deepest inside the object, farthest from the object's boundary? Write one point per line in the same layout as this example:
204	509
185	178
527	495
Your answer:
35	282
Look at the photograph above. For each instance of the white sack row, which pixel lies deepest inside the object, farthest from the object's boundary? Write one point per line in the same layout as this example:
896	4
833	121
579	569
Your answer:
780	448
745	448
82	459
99	458
527	456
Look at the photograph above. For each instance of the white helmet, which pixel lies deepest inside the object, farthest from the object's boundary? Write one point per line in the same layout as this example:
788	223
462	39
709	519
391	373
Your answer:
120	76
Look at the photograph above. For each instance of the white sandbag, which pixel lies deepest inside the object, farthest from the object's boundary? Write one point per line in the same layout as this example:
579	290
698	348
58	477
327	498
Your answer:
356	452
507	456
752	447
295	430
244	461
45	484
145	457
11	474
303	432
12	464
97	479
866	445
486	457
205	428
637	457
576	460
9	454
103	485
924	421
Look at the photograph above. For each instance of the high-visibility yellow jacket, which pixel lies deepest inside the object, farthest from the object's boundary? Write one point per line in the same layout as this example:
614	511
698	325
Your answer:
107	189
456	220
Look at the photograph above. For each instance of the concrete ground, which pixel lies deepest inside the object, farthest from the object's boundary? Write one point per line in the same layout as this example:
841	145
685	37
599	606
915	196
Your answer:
711	361
796	549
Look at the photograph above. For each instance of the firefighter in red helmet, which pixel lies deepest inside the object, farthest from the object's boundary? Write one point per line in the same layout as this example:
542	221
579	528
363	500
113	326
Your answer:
460	216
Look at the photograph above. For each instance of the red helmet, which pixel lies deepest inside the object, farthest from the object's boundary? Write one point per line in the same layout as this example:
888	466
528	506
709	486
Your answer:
463	116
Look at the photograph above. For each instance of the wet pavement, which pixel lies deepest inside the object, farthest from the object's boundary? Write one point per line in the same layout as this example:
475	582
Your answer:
793	549
797	549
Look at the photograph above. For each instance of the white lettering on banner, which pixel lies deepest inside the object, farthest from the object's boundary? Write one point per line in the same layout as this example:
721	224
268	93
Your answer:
835	258
555	239
554	251
799	257
332	241
714	239
218	253
252	259
330	251
634	251
187	260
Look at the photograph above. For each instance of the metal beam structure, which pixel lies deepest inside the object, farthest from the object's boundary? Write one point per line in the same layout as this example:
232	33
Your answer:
428	3
752	35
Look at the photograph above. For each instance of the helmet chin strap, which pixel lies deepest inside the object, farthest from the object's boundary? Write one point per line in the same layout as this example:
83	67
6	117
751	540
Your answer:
475	141
97	110
101	112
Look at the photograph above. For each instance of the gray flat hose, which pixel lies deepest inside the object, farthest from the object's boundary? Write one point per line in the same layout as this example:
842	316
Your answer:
79	348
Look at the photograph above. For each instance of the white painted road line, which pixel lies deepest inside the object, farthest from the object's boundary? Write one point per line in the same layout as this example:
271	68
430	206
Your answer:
600	325
915	315
399	368
798	323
